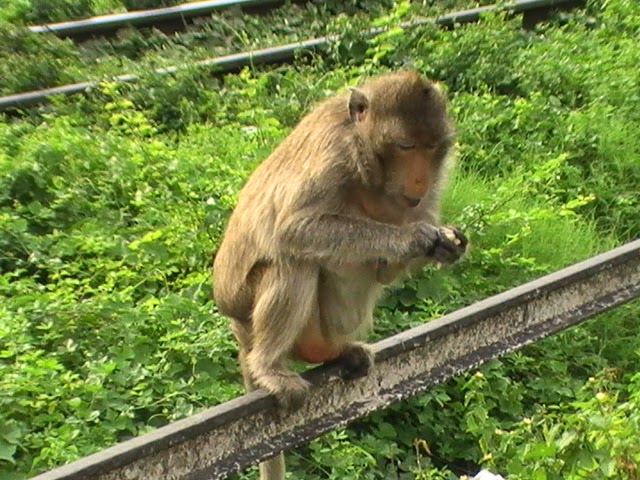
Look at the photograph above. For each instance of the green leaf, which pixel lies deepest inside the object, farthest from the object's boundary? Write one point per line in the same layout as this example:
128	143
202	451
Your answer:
9	475
386	430
566	439
608	467
10	433
7	450
541	450
538	474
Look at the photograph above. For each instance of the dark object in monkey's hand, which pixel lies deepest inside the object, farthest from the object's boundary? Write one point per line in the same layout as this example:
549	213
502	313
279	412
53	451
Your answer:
441	244
450	245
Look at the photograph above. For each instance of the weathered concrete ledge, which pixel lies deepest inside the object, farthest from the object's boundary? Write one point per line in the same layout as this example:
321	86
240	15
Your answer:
231	436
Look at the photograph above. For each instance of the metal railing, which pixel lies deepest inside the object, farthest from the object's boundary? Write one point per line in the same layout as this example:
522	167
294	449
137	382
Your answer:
228	437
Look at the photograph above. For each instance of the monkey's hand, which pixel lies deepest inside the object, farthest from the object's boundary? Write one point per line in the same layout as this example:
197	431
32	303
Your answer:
451	246
443	244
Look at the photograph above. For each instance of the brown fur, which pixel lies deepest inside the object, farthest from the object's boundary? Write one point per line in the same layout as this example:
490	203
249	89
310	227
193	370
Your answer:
324	222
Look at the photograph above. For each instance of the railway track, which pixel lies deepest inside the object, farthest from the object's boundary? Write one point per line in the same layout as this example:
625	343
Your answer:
532	12
166	19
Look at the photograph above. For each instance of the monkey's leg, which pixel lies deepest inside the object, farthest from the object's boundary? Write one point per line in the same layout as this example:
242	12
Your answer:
274	468
241	329
386	272
286	298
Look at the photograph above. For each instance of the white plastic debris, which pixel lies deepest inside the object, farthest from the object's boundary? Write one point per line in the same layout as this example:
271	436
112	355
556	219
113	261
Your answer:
487	475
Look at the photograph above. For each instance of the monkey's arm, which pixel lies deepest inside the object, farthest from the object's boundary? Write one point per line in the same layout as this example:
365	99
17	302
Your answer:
343	238
388	272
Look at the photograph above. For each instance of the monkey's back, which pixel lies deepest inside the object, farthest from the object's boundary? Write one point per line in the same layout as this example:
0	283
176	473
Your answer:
270	196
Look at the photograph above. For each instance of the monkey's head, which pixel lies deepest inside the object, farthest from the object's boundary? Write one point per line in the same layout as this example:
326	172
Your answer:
402	118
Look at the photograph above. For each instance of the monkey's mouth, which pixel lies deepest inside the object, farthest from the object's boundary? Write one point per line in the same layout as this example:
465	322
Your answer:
410	202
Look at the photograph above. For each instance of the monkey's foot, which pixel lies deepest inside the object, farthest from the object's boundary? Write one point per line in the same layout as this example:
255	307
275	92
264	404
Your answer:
357	359
290	389
450	246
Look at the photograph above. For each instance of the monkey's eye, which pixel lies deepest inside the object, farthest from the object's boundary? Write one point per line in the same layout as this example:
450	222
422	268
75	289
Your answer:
405	144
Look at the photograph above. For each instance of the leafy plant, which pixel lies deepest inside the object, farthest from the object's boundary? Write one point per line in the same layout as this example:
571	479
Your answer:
111	203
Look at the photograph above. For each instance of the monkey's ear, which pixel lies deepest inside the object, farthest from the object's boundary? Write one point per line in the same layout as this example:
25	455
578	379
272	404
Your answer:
358	104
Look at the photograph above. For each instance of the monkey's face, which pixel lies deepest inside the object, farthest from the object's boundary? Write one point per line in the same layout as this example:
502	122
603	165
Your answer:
410	170
404	119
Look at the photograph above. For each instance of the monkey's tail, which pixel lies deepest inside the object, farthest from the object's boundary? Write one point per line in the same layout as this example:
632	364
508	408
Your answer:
273	469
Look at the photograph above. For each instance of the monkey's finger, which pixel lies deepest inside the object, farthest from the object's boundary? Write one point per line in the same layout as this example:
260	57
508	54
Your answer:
464	241
455	235
293	398
451	246
432	242
290	389
444	255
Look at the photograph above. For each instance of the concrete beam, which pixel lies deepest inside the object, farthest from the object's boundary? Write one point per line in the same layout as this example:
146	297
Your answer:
231	436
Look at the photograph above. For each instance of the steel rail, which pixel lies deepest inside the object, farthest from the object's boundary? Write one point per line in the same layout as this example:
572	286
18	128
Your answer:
286	53
228	437
108	23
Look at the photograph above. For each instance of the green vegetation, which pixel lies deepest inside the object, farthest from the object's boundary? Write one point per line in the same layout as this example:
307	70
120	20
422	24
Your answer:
110	205
55	61
51	11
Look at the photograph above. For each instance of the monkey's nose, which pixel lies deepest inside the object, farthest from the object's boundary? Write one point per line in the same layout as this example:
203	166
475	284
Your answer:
411	201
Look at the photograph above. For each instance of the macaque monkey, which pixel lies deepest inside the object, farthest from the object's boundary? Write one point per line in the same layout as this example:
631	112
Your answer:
344	205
